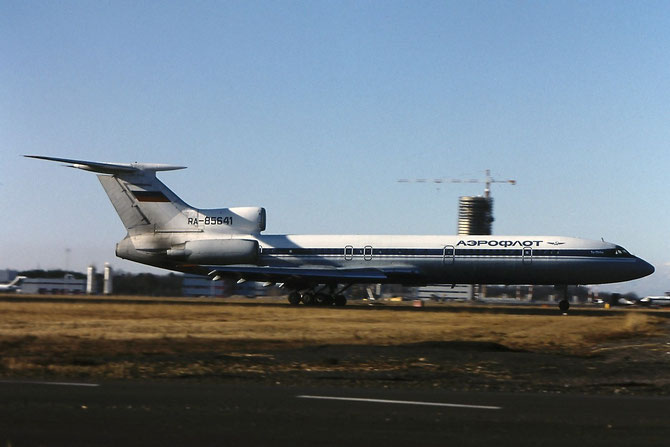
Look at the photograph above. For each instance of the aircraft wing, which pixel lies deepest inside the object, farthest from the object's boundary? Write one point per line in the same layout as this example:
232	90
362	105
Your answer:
314	274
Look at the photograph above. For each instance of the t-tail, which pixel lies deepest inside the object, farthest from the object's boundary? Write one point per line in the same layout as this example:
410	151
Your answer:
162	228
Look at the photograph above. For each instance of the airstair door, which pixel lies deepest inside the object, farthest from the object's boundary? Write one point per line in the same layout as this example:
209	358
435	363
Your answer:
449	255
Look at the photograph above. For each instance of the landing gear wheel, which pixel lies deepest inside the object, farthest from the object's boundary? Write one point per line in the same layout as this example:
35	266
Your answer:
321	299
564	305
340	300
308	299
294	298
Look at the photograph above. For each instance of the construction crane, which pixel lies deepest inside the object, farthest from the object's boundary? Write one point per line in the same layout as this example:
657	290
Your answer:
488	181
475	216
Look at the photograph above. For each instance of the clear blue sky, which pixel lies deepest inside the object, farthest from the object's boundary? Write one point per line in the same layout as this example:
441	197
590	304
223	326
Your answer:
314	109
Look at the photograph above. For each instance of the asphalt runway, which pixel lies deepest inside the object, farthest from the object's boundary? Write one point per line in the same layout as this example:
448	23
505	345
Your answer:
244	414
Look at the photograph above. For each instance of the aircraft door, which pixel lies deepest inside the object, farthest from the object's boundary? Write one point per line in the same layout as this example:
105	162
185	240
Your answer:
367	253
449	255
348	253
527	255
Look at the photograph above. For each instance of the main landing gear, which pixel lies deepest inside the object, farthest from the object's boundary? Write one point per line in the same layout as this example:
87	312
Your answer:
564	304
313	297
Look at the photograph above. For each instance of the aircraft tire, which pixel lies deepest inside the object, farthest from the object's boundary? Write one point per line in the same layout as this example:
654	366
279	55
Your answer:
308	299
564	305
321	299
294	298
340	300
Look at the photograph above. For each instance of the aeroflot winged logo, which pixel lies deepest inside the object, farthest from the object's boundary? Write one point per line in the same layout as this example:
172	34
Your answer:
555	243
496	243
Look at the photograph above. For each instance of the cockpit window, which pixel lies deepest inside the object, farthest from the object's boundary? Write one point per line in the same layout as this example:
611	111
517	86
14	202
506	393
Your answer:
620	251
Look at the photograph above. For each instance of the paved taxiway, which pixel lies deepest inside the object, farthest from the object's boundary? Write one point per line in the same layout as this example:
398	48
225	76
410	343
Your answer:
175	413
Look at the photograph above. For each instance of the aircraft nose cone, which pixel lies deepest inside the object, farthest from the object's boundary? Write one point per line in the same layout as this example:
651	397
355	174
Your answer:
645	269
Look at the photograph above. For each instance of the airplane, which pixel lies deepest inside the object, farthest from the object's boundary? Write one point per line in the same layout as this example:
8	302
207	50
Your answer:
12	286
660	300
229	243
616	299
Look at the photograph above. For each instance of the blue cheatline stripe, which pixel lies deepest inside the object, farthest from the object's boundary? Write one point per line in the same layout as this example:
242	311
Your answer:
438	252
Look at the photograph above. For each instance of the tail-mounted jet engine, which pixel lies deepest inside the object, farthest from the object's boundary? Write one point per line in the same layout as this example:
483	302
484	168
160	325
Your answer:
216	251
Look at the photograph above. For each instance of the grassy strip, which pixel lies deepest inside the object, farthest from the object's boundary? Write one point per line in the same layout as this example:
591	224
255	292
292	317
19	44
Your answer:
121	340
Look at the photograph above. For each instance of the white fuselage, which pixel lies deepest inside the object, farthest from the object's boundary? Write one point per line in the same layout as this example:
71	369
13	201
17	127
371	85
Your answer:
431	259
463	259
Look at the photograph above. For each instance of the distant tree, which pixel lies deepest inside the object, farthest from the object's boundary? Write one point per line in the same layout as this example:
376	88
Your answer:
148	284
631	296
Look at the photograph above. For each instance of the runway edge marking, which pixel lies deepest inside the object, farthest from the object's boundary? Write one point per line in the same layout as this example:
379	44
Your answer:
402	402
36	382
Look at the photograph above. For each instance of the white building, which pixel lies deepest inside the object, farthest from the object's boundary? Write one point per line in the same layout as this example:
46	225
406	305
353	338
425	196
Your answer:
66	285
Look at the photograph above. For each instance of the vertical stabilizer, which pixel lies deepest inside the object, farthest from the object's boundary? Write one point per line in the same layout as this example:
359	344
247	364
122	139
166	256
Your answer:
144	203
123	202
146	206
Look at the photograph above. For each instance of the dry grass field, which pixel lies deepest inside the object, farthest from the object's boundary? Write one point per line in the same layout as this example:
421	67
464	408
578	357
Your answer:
217	340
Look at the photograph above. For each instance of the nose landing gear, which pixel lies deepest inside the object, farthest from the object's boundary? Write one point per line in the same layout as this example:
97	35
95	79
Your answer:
564	304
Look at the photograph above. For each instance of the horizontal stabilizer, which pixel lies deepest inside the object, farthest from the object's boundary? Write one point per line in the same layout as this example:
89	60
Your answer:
109	168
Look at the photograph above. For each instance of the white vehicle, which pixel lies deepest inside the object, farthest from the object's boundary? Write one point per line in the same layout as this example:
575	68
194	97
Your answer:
164	231
12	286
